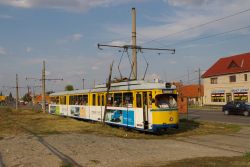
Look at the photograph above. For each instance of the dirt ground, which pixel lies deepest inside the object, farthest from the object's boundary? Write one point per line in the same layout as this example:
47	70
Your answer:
94	150
35	139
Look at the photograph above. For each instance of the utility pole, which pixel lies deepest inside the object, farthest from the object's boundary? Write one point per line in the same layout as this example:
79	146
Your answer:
199	71
107	93
134	47
28	87
134	54
83	83
199	90
17	92
43	88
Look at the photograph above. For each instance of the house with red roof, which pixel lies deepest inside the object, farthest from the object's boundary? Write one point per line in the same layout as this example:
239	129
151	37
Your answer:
228	79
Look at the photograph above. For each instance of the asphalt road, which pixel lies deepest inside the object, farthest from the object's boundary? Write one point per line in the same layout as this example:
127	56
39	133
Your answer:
217	116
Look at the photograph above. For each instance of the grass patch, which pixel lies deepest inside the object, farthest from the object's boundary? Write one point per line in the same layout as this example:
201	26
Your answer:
247	155
20	122
65	164
211	162
95	161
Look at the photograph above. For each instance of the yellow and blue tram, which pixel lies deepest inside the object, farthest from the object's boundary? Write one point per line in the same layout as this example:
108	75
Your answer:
139	105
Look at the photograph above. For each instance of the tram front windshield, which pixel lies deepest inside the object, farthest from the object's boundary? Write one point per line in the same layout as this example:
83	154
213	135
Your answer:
166	101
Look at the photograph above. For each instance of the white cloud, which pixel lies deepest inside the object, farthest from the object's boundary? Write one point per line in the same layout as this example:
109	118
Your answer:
17	3
95	67
3	51
29	49
34	61
119	43
5	16
172	62
202	11
71	38
70	5
76	37
188	2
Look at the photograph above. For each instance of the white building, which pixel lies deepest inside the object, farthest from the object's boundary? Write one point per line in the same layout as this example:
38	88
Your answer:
228	79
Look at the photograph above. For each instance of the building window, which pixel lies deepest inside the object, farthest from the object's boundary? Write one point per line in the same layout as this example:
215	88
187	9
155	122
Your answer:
241	96
245	77
218	97
232	78
214	80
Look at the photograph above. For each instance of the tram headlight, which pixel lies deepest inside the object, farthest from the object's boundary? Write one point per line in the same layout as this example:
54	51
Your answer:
171	119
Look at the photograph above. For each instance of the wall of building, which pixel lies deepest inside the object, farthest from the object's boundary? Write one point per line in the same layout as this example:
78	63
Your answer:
225	91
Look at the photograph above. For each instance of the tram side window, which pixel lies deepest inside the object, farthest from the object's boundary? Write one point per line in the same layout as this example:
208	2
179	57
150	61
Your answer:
79	100
55	100
62	99
72	100
85	100
138	101
118	99
127	100
110	100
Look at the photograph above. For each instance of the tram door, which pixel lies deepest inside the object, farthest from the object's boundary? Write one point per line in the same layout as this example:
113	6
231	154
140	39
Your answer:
101	103
145	109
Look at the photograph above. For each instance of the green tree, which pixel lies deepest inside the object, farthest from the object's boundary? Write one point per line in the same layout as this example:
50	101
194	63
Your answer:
10	95
27	97
10	98
69	88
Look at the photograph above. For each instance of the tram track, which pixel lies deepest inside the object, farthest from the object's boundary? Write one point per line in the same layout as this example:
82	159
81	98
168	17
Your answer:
220	143
209	146
239	135
66	160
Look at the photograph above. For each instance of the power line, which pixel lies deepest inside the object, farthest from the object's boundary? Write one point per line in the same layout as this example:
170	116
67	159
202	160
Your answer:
186	75
210	36
226	39
198	26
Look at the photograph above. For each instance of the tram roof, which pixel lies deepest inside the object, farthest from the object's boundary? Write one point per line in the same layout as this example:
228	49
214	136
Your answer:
119	86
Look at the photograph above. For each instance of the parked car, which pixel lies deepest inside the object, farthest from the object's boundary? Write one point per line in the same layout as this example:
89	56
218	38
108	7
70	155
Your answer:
236	107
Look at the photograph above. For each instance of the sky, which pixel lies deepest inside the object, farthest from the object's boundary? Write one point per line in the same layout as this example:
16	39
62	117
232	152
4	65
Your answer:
65	34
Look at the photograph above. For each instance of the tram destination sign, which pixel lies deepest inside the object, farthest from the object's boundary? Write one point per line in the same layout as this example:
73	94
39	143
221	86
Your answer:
168	91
